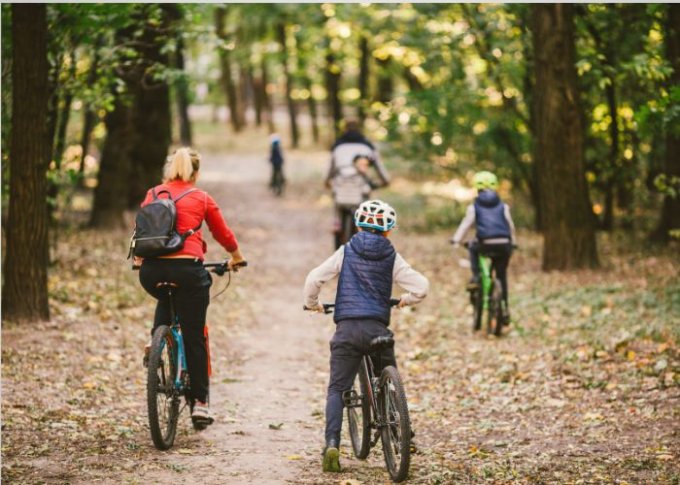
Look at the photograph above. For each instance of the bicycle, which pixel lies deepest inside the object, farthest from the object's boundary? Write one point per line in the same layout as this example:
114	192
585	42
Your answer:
167	375
277	182
487	297
380	406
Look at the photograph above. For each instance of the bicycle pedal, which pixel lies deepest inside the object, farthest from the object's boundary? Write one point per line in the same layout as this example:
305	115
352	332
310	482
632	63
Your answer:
351	399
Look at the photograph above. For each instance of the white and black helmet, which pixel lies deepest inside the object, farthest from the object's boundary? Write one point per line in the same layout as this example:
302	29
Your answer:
375	214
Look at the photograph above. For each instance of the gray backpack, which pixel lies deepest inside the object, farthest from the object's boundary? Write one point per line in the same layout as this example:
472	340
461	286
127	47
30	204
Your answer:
155	231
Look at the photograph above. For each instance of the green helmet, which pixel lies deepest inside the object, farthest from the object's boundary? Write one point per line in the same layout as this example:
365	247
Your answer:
485	180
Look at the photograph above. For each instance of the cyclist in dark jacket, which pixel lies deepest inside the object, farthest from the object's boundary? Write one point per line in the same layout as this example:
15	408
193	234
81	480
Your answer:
276	159
495	232
368	265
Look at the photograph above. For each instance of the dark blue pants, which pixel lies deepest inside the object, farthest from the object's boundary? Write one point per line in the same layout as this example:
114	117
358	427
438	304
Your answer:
500	255
350	342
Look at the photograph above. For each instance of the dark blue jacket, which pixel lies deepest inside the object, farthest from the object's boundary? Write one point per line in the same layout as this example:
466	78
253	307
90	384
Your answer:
276	157
490	216
352	137
365	283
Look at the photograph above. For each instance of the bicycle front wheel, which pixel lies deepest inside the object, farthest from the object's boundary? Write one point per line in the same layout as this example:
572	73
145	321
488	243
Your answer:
396	425
162	398
359	416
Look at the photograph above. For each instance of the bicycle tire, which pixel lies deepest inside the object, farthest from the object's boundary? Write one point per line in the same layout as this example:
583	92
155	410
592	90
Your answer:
162	400
360	427
394	409
495	317
477	309
347	225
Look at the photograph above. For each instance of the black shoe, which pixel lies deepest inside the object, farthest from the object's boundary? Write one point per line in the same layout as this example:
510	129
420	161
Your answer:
473	284
331	457
506	314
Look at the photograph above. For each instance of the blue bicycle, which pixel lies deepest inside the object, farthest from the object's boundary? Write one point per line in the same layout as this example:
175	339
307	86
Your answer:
168	378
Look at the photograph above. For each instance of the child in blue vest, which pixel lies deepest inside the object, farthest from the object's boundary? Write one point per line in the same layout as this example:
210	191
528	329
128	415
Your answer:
495	232
367	265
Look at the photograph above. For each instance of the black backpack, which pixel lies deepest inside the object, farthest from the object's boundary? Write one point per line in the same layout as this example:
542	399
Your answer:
156	227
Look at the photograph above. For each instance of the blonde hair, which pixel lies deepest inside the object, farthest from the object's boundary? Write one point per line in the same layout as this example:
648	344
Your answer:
183	165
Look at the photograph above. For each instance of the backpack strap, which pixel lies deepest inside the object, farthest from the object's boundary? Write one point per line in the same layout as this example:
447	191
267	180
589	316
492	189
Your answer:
190	231
156	194
185	193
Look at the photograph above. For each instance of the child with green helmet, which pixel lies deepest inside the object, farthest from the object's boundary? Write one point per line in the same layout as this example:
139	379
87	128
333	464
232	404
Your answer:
495	232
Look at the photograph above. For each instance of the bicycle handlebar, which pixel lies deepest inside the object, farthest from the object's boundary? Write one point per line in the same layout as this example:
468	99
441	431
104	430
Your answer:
217	267
466	244
328	307
221	267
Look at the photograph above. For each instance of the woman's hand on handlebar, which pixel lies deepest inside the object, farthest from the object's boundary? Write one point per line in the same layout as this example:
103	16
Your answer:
237	260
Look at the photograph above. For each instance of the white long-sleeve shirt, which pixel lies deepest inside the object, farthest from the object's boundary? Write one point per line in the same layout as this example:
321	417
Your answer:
415	284
469	221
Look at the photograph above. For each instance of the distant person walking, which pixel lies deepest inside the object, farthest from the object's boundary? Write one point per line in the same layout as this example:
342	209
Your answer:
276	159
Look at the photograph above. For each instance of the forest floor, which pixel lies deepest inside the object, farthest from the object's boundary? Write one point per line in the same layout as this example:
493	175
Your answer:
584	387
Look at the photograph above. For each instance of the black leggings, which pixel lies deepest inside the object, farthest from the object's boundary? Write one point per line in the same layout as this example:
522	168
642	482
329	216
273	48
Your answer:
500	255
191	297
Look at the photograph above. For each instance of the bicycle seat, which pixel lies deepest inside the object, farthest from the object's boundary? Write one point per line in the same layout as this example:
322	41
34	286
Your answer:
167	284
381	343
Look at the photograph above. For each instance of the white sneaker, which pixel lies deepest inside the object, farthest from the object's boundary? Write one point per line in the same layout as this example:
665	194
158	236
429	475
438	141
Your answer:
201	413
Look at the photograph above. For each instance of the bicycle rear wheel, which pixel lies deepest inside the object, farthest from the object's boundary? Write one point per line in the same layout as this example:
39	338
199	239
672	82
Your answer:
359	416
396	432
477	309
162	398
347	226
495	317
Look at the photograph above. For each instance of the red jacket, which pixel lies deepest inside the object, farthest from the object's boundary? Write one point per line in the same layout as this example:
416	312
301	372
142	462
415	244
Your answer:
193	209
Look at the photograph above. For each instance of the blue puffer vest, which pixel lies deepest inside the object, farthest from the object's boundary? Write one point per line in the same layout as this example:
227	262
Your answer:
365	283
490	216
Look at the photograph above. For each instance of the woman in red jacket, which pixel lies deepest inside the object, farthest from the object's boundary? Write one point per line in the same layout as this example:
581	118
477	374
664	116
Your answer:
186	269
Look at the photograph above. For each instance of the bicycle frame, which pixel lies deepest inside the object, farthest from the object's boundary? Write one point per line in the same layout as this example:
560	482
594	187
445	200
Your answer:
485	270
179	355
379	421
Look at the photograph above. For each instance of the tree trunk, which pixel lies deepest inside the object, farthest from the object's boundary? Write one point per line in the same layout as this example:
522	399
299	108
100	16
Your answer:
333	89
292	112
364	72
257	95
614	168
110	199
89	116
313	112
242	97
24	294
225	63
568	226
174	15
152	119
385	83
60	142
182	95
266	98
670	212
